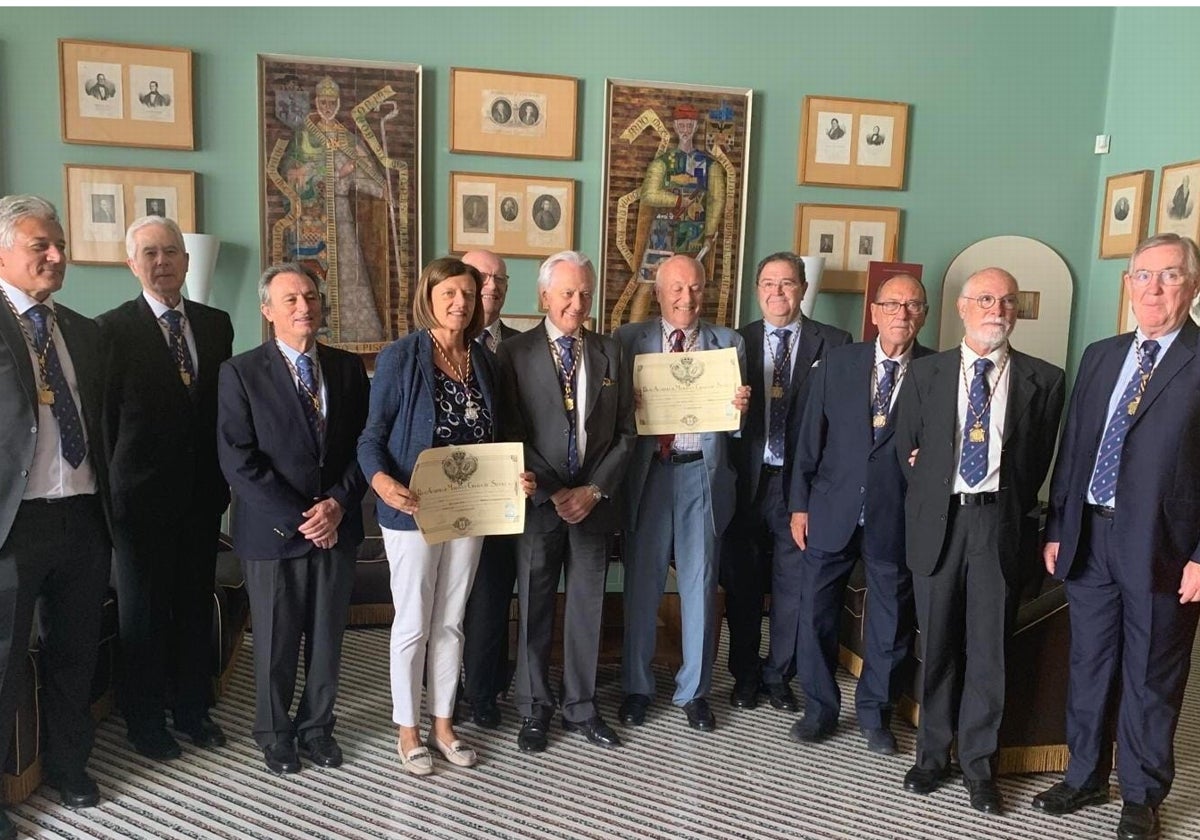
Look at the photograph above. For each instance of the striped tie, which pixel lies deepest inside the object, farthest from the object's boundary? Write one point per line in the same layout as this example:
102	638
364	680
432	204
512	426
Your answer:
1108	461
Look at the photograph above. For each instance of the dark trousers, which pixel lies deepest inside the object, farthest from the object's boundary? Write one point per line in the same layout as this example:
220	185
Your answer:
964	610
165	574
485	623
58	552
541	559
887	632
1128	643
307	596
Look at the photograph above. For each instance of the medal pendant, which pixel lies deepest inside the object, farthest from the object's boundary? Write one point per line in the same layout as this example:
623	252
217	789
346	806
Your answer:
186	377
1133	405
776	391
569	403
45	396
879	421
472	411
977	435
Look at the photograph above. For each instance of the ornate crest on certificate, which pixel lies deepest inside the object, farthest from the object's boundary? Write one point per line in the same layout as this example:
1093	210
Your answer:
469	491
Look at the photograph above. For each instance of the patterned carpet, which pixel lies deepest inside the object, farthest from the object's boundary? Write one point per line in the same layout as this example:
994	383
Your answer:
746	780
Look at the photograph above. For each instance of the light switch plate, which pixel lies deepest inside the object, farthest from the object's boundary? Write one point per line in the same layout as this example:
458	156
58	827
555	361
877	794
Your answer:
1102	141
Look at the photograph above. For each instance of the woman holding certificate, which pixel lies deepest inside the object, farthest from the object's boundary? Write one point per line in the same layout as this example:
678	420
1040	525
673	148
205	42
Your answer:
429	390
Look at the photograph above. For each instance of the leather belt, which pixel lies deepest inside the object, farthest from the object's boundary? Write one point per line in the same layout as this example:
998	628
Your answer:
771	469
974	499
1103	511
58	500
683	457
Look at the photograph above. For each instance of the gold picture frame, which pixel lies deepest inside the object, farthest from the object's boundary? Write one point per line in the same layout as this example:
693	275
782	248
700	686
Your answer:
849	237
114	94
495	112
511	215
103	200
853	142
1125	214
1178	189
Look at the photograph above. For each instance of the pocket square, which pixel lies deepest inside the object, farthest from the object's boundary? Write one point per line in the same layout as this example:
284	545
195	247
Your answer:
606	382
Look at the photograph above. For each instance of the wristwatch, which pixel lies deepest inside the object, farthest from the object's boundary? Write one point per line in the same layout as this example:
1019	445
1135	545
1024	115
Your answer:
596	494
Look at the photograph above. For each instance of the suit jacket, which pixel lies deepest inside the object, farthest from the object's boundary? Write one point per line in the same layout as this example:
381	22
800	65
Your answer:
531	406
839	469
161	438
1157	520
19	410
816	339
274	467
927	418
646	337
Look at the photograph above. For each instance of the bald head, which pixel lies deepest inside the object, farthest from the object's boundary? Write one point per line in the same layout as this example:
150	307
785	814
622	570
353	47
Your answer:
679	288
495	282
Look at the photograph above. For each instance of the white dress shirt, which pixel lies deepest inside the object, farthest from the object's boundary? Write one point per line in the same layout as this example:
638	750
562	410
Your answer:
159	308
769	345
291	354
880	357
690	442
998	385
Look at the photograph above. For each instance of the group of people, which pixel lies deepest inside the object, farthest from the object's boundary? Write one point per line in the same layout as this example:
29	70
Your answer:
129	432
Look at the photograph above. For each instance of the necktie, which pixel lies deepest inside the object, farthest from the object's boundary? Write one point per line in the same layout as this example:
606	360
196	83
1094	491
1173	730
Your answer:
310	397
566	379
179	349
1108	461
883	397
974	464
70	429
489	340
666	441
781	377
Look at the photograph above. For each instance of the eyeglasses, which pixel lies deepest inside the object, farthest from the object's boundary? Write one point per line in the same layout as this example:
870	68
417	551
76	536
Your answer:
988	301
777	286
499	278
1166	276
891	307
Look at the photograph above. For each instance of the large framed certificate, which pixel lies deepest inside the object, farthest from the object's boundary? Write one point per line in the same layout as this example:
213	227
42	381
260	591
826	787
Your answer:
469	491
683	393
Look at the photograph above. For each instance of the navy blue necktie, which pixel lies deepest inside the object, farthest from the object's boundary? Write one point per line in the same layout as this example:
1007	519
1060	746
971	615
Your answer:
780	379
566	379
310	397
974	464
1108	461
70	429
179	348
883	397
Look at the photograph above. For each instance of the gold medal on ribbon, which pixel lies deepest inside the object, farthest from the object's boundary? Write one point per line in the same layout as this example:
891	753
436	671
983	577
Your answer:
879	421
776	392
45	396
977	435
186	377
569	403
1133	405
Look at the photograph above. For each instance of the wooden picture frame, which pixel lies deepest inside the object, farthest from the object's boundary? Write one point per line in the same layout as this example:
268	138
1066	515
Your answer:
1178	191
511	215
849	237
853	142
1125	214
340	181
494	112
102	201
676	166
125	94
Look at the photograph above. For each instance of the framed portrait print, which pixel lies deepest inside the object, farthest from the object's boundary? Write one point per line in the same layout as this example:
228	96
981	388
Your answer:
1126	213
102	201
340	153
676	159
1177	200
517	114
514	216
850	238
853	142
125	94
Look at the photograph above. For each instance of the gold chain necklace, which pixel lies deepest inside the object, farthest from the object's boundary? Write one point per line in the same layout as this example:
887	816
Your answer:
472	409
977	434
45	395
566	377
879	418
1142	381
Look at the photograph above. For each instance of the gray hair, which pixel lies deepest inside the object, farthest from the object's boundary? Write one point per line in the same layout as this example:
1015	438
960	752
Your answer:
546	272
264	282
148	221
789	257
15	209
1191	254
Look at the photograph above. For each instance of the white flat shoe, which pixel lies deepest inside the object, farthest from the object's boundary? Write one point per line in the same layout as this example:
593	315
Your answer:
417	761
457	753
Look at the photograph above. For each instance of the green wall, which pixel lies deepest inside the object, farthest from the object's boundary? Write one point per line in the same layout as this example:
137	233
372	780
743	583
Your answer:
1006	103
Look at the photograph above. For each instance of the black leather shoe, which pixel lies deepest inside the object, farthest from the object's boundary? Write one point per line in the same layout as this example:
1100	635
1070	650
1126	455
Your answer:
880	741
596	730
633	709
8	831
204	732
1138	822
1064	799
781	697
322	751
744	695
985	796
699	715
920	780
281	757
154	742
809	730
533	737
485	714
78	790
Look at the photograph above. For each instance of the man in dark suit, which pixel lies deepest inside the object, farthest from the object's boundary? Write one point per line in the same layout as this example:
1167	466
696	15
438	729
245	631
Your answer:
168	492
1124	533
975	432
54	537
290	414
485	625
567	398
780	351
680	494
847	504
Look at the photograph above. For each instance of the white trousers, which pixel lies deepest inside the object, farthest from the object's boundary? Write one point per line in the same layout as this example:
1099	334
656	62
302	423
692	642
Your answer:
430	585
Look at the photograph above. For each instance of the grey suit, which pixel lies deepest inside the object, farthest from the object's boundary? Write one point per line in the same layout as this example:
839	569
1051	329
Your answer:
532	412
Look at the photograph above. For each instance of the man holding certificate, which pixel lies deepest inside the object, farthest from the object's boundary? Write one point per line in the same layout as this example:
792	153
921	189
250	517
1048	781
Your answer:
679	489
565	395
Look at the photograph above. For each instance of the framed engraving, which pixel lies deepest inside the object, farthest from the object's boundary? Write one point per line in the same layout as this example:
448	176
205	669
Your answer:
494	112
1177	192
850	238
853	142
514	216
1125	214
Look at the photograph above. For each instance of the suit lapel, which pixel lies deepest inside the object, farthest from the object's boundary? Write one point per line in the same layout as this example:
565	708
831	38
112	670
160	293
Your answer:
755	335
158	351
1021	389
596	366
1183	351
19	348
944	392
275	369
208	363
333	401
